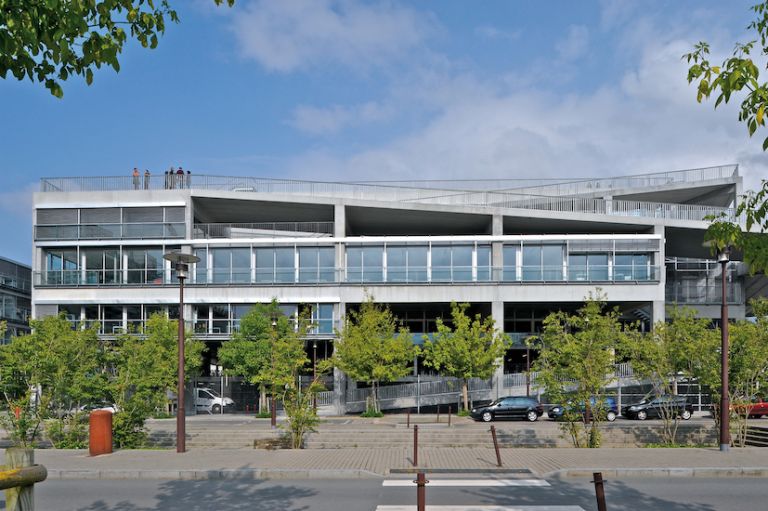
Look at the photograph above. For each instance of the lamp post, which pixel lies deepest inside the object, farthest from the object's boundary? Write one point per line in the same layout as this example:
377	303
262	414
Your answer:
181	262
272	409
314	373
723	258
527	371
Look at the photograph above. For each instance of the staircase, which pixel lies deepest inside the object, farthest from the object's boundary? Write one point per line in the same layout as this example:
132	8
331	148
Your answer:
757	436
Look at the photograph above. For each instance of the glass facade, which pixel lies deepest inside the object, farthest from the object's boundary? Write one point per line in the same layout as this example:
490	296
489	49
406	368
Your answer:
110	223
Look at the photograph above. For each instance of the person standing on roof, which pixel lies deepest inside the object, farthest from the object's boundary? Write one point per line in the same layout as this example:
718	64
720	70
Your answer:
180	177
146	179
136	178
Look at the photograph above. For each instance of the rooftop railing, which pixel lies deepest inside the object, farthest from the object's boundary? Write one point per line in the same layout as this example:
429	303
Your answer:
559	197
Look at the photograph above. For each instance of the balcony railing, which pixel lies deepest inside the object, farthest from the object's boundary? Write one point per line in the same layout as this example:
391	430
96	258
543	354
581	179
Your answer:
704	295
15	282
256	230
435	275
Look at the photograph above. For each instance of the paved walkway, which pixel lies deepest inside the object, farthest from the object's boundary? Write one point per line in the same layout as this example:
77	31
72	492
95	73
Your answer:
349	463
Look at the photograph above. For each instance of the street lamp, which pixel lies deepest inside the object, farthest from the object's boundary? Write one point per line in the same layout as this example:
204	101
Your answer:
723	257
181	263
314	373
527	370
272	409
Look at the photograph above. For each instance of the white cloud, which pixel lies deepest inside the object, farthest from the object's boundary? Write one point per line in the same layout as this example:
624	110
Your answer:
495	33
575	44
291	35
324	121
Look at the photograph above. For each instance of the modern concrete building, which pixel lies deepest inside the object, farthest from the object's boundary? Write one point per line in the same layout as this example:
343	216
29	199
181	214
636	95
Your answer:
513	249
15	297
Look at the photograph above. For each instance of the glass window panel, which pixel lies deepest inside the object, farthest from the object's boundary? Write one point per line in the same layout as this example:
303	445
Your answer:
140	215
577	267
201	267
265	264
441	263
241	265
641	266
327	260
532	263
220	318
509	253
143	231
136	266
285	264
354	264
598	266
308	264
222	265
174	214
462	263
135	322
484	263
112	319
552	258
56	216
102	231
201	323
397	264
373	262
100	216
417	263
622	267
154	266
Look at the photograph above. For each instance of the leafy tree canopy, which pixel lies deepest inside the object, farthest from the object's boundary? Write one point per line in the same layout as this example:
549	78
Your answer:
48	41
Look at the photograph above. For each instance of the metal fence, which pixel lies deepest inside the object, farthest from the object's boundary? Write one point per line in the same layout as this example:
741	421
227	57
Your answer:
265	229
420	388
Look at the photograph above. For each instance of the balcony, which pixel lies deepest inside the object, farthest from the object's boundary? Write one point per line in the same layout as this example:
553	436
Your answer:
263	230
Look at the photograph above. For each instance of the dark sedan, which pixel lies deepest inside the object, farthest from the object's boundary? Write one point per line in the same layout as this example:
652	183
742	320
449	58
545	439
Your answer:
609	409
509	408
671	406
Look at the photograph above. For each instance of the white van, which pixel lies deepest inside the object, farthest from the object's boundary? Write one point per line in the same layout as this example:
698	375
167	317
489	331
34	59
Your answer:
208	400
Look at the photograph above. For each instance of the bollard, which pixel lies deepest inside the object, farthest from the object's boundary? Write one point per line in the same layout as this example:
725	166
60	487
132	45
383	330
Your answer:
415	445
421	491
599	491
496	445
408	419
438	414
100	432
246	407
449	416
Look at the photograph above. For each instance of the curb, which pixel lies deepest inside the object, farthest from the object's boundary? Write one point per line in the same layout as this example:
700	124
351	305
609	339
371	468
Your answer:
210	475
662	472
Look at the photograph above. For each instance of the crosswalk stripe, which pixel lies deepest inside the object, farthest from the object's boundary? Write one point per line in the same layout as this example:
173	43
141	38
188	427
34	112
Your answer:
468	482
482	508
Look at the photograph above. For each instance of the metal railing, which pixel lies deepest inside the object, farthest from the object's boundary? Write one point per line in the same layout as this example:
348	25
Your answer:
424	388
703	294
267	229
560	274
158	230
15	282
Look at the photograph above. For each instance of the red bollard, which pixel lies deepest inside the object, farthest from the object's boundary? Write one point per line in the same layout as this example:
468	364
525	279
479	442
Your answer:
415	445
421	492
17	412
246	408
100	433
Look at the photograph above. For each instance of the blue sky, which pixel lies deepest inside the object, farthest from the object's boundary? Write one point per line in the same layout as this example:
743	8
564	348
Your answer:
369	90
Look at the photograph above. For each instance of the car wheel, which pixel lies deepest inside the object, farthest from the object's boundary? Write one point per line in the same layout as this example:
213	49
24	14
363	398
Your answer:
532	416
487	416
216	409
686	415
642	415
611	416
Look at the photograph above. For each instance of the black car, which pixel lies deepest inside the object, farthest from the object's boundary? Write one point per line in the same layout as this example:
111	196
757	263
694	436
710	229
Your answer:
509	408
610	409
677	406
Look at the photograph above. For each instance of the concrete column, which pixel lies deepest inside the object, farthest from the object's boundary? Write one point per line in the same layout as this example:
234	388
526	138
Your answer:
497	257
659	305
497	312
339	378
340	231
608	204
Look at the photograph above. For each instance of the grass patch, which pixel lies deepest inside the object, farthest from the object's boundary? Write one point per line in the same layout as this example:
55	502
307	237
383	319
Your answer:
463	413
371	414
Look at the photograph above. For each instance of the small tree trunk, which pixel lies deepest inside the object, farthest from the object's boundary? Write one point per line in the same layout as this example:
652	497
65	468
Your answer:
262	398
465	393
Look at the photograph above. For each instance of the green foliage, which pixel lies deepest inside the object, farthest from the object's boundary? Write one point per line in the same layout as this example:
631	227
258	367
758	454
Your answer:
302	416
473	348
128	429
50	40
576	363
370	413
372	349
681	348
70	432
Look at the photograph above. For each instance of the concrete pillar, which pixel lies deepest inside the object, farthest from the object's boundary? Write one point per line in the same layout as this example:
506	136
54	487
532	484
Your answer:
608	204
497	312
497	257
659	305
339	378
340	231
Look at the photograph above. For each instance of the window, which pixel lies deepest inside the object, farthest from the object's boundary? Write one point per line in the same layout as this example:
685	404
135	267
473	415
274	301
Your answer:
407	263
102	266
201	267
365	264
484	263
543	262
144	265
316	264
61	267
231	265
510	253
631	267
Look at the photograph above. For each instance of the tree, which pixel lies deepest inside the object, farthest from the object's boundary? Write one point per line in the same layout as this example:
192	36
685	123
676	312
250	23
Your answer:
144	368
576	363
50	40
373	349
40	380
739	75
682	347
472	348
267	356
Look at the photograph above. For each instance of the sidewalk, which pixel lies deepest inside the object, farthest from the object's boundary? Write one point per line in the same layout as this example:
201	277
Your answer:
372	463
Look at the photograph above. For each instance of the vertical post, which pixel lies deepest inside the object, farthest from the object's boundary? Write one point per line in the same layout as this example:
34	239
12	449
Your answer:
599	491
415	445
314	374
449	416
20	498
421	492
438	414
181	434
725	409
527	370
408	419
496	445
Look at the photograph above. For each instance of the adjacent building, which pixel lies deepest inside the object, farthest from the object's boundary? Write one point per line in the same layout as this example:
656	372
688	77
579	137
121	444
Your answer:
15	297
513	249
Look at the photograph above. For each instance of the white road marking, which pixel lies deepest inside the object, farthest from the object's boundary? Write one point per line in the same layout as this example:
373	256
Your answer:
468	482
482	508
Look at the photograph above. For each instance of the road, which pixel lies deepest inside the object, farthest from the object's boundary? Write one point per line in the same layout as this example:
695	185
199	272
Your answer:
471	494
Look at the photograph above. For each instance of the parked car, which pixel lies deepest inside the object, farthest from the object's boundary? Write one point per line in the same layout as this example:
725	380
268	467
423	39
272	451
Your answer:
209	401
511	407
609	407
757	408
657	406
